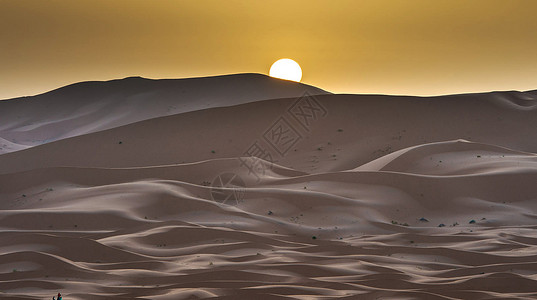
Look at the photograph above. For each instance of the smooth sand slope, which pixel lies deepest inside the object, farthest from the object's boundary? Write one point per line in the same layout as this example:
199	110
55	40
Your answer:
325	197
93	106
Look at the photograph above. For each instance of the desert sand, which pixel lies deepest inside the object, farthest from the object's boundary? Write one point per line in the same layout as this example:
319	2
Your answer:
248	187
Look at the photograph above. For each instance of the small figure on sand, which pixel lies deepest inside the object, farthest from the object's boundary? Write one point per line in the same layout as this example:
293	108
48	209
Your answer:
59	297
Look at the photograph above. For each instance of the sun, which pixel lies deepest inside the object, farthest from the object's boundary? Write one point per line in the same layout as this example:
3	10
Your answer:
287	69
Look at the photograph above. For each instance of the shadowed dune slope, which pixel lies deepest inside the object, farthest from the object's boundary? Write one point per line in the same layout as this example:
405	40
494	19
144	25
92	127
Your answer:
344	132
93	106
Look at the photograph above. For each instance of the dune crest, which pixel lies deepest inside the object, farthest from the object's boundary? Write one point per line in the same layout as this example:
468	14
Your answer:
88	107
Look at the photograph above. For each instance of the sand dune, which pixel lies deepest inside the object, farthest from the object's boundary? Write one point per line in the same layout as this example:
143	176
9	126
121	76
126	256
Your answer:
452	158
8	146
377	197
93	106
354	130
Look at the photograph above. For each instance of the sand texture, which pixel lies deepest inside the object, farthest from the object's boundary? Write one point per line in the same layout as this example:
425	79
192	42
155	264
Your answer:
247	187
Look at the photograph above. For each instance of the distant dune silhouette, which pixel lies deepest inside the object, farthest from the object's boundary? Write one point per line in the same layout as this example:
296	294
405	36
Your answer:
93	106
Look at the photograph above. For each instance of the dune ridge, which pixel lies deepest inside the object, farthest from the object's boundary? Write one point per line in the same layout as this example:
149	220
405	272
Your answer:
378	197
87	107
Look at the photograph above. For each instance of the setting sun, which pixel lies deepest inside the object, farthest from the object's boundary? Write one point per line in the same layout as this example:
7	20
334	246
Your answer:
286	68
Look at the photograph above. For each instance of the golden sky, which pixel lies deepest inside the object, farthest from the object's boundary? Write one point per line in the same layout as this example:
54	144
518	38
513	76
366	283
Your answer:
416	47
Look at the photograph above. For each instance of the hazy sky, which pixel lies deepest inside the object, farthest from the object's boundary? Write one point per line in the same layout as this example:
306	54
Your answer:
415	47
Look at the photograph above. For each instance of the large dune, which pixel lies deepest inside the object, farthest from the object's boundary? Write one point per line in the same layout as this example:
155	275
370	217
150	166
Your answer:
93	106
315	197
